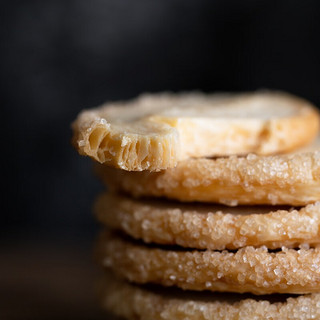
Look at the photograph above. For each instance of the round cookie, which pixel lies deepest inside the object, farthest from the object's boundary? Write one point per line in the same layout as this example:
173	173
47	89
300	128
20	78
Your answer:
292	179
137	303
154	132
246	270
214	227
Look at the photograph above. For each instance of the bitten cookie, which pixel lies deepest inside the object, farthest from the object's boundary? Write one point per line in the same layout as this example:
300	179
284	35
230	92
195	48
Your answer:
154	132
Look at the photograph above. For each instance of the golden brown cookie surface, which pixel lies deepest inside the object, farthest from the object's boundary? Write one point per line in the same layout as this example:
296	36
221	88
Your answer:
154	132
246	270
292	179
135	303
214	227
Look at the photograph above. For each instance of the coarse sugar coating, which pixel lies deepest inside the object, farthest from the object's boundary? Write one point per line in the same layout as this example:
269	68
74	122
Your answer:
247	270
205	226
292	179
137	303
155	131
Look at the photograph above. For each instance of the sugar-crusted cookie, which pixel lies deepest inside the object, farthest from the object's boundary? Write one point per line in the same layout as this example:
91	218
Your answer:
139	303
257	271
291	179
213	227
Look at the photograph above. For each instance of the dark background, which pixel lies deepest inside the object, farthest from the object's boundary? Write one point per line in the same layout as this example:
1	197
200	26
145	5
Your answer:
58	57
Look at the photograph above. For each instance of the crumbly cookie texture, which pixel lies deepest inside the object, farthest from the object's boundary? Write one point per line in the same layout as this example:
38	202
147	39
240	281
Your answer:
135	303
246	270
292	179
154	132
214	227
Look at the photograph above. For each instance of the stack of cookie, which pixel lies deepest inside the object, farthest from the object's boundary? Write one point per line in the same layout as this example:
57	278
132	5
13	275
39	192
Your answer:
212	193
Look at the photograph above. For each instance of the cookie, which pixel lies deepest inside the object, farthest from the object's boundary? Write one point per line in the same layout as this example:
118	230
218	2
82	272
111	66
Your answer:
140	303
291	179
257	271
154	132
214	227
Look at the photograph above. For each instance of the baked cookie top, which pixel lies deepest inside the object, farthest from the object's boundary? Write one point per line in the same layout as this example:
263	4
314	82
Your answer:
155	131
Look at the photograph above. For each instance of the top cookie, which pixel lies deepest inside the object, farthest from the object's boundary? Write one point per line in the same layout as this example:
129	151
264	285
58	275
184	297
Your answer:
154	132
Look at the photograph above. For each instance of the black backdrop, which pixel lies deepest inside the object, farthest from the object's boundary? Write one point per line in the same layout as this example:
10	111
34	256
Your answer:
58	57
